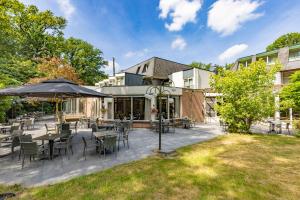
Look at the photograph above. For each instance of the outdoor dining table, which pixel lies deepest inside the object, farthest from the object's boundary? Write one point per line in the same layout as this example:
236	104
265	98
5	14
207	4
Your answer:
103	134
3	137
50	138
106	126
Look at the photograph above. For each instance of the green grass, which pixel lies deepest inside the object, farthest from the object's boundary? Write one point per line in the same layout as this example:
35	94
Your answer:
229	167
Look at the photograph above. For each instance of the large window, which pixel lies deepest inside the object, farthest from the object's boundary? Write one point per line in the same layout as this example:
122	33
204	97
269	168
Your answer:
122	108
294	56
125	107
138	108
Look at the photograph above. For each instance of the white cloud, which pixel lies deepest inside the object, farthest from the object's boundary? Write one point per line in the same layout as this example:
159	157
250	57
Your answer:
227	16
66	7
178	43
140	53
232	52
180	11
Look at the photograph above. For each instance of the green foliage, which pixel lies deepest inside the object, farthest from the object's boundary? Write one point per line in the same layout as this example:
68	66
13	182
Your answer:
201	65
247	95
28	35
286	40
86	59
210	66
290	94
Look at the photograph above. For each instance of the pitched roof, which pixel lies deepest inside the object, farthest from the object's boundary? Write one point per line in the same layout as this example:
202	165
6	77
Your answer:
158	68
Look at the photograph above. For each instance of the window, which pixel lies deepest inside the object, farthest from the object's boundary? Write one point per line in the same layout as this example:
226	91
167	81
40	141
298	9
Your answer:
271	60
188	83
294	56
138	108
122	107
145	68
138	70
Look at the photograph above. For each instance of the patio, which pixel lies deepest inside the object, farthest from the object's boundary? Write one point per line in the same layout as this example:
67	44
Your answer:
142	142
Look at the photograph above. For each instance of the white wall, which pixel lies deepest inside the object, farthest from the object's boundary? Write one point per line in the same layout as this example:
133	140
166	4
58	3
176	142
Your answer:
177	79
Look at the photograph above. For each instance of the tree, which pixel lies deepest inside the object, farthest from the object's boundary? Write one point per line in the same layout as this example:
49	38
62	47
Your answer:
201	65
286	40
247	95
86	59
52	68
290	93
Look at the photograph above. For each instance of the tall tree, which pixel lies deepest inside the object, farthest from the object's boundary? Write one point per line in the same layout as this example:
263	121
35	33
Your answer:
286	40
247	95
52	68
86	59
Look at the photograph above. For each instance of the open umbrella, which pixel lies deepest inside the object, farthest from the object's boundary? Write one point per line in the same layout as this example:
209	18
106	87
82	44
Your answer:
56	89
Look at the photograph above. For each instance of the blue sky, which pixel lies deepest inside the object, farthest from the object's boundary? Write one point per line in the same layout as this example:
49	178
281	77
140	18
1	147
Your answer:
210	31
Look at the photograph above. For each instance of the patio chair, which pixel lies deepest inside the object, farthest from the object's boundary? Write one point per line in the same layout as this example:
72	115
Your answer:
94	129
29	123
50	130
287	126
123	136
65	144
14	128
32	150
97	145
109	143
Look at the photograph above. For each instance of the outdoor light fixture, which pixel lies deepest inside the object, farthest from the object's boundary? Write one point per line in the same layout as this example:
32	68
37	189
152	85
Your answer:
159	90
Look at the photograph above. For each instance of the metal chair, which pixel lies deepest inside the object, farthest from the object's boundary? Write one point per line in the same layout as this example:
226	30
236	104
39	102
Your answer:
94	129
65	144
32	150
50	130
109	143
97	145
123	136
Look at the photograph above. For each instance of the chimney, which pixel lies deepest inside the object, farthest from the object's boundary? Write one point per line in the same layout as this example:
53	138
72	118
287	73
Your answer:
114	69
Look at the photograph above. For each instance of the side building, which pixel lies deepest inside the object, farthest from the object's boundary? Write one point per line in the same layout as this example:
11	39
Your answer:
132	99
289	57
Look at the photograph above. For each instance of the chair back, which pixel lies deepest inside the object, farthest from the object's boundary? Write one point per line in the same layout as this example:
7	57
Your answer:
17	132
94	127
109	140
14	128
29	148
25	138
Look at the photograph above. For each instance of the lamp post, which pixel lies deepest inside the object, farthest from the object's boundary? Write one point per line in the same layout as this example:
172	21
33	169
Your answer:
159	89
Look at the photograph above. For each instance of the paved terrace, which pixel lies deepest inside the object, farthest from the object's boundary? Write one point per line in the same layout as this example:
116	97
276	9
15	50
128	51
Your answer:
142	142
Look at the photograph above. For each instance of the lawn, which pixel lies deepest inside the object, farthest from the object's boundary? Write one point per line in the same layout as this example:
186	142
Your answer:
229	167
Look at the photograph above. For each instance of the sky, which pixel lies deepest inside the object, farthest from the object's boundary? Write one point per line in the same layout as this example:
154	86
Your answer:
209	31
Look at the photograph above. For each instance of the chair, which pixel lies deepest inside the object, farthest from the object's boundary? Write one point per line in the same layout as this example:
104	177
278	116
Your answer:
97	145
64	144
50	130
109	143
94	129
29	123
14	128
288	127
123	136
30	149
